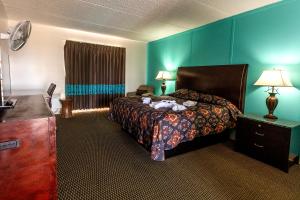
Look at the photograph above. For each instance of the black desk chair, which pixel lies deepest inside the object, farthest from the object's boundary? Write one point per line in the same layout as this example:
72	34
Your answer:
50	92
141	90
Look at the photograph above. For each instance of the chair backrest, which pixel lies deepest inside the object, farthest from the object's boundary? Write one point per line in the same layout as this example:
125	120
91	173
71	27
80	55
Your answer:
149	88
51	89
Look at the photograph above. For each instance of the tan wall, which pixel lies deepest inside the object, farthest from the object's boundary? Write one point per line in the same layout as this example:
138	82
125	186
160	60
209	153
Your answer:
3	29
3	24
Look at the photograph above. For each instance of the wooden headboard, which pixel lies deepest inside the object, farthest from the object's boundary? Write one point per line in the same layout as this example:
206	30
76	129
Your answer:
227	81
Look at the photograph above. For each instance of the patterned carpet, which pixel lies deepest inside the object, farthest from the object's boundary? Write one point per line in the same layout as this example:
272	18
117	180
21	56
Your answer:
96	160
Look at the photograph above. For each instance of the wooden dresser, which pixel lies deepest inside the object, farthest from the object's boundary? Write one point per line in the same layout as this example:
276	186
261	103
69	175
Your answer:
276	142
28	155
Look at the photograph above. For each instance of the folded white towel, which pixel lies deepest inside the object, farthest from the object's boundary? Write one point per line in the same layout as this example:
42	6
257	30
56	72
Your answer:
178	107
189	103
167	104
163	104
146	100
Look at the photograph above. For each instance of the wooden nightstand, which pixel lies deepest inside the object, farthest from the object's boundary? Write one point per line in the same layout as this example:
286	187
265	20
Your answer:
274	142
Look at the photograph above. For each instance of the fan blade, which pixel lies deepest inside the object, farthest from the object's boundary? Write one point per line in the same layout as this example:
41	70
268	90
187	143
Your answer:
18	35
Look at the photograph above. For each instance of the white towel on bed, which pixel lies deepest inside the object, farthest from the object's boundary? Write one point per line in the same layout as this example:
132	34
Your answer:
167	104
146	100
178	107
162	104
189	103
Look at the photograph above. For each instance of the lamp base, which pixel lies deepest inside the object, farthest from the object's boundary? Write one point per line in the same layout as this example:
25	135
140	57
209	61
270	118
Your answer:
271	103
163	88
270	116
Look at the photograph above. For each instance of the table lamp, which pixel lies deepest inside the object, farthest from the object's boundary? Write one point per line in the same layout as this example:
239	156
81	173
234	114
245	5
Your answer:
273	78
163	75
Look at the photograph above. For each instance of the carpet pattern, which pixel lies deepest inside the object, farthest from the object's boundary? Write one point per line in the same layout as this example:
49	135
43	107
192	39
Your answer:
97	160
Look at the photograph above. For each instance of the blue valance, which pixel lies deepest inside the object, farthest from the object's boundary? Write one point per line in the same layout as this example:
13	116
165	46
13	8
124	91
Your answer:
94	89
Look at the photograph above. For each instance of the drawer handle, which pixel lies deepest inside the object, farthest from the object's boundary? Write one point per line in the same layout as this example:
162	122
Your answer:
259	125
260	134
257	145
11	144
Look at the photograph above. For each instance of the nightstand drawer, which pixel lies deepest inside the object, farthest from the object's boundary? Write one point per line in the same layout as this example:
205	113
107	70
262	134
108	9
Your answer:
256	150
248	134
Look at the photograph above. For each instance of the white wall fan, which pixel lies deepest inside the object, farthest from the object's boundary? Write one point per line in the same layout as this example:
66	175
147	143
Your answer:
18	36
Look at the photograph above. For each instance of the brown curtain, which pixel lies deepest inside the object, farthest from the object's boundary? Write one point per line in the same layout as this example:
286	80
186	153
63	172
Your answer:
95	74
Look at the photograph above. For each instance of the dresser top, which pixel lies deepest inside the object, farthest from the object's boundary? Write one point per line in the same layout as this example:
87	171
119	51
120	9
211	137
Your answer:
279	122
27	107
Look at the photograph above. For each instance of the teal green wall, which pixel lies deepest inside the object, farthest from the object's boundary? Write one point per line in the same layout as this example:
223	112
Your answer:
264	38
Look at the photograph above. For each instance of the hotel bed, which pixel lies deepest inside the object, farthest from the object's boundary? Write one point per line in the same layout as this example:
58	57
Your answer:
219	92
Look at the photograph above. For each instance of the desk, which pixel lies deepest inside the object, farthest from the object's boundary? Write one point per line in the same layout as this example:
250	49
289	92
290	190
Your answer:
28	166
27	92
66	107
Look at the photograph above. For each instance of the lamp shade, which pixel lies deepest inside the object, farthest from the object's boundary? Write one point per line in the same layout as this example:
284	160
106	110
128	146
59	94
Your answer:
275	78
163	75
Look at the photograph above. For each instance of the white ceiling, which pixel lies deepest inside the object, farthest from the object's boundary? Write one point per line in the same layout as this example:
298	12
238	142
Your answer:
143	20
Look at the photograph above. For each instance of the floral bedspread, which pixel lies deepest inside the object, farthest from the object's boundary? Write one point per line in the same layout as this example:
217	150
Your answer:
163	129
